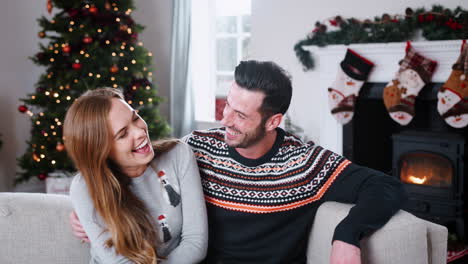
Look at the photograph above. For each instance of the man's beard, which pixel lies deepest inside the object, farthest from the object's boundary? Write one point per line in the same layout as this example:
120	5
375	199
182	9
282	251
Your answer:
251	138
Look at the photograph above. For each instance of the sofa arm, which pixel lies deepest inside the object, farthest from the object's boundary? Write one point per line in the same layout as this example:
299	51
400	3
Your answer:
34	228
405	239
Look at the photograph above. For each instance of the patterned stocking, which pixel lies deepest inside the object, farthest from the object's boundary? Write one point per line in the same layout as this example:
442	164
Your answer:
400	94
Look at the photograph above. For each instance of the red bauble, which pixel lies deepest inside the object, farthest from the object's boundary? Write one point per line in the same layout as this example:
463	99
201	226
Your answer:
66	49
40	56
87	40
42	176
93	10
76	66
22	108
60	147
72	12
114	69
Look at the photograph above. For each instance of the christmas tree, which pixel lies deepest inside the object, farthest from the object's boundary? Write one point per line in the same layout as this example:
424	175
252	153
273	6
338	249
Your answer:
91	44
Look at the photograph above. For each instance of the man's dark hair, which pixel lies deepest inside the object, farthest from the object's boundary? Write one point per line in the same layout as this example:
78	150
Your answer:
269	78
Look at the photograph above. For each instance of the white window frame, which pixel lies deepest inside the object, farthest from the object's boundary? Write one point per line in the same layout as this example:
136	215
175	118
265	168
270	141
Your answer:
204	61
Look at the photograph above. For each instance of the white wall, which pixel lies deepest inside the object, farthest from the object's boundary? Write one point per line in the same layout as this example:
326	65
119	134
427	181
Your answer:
277	25
18	29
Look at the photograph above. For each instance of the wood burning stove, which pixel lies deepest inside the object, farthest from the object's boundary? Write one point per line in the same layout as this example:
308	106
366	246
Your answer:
431	167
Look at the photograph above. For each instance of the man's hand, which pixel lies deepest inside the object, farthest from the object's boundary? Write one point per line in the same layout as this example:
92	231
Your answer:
77	228
344	253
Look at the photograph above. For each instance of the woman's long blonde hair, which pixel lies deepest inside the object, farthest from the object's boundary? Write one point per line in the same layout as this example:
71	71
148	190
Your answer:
88	140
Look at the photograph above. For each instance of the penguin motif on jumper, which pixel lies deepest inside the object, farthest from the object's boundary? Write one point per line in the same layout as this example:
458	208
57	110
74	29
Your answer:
164	227
171	192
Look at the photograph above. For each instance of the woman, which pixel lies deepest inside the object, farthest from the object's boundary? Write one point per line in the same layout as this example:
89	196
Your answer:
137	202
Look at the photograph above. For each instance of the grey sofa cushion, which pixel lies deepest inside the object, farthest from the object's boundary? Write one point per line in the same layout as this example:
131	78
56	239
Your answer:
34	228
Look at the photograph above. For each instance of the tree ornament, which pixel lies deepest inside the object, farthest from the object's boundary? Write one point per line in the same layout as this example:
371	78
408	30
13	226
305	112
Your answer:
40	89
93	10
87	39
72	12
76	66
66	49
41	34
40	56
114	69
49	6
22	108
42	176
60	147
36	157
123	27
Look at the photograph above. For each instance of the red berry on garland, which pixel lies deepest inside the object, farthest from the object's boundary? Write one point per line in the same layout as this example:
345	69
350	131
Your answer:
87	39
22	108
93	10
42	176
66	49
76	66
421	18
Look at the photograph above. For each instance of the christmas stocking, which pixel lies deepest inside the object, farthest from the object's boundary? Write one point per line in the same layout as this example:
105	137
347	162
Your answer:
452	97
352	73
400	94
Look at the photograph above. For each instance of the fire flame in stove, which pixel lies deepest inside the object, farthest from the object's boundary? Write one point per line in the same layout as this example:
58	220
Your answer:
417	180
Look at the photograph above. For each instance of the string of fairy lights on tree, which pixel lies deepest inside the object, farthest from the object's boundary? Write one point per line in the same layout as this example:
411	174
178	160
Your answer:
92	44
439	23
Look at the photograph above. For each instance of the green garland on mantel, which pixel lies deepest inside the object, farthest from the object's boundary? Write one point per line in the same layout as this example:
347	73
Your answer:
437	24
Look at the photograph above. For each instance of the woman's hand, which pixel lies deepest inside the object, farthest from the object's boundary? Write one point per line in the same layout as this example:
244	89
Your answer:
77	228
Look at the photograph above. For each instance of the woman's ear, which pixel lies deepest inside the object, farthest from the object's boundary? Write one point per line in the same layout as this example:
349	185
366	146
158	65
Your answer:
273	122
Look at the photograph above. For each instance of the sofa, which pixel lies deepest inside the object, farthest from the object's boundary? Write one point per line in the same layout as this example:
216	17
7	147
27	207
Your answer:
34	228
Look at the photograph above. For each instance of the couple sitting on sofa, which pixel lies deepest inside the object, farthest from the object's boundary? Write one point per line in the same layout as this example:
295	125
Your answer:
141	202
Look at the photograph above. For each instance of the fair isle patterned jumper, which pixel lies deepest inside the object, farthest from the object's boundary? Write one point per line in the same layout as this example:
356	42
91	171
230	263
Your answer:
261	211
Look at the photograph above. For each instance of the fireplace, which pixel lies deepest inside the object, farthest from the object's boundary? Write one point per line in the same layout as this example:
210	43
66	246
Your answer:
428	156
431	167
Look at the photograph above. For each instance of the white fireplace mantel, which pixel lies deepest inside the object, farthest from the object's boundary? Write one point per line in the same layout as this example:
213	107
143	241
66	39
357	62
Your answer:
385	57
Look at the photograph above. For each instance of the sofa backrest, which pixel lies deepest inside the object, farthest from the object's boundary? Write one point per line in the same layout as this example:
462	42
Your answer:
34	228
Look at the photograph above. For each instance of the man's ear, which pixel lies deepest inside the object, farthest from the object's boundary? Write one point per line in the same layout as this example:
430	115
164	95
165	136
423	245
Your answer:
273	122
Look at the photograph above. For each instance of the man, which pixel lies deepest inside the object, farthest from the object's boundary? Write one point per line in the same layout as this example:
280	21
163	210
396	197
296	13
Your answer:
263	185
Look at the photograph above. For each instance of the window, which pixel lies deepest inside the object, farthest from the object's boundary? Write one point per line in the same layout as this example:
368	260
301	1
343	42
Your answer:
220	40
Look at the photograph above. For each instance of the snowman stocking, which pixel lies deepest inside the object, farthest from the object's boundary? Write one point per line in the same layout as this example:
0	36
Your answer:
452	97
352	73
400	93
